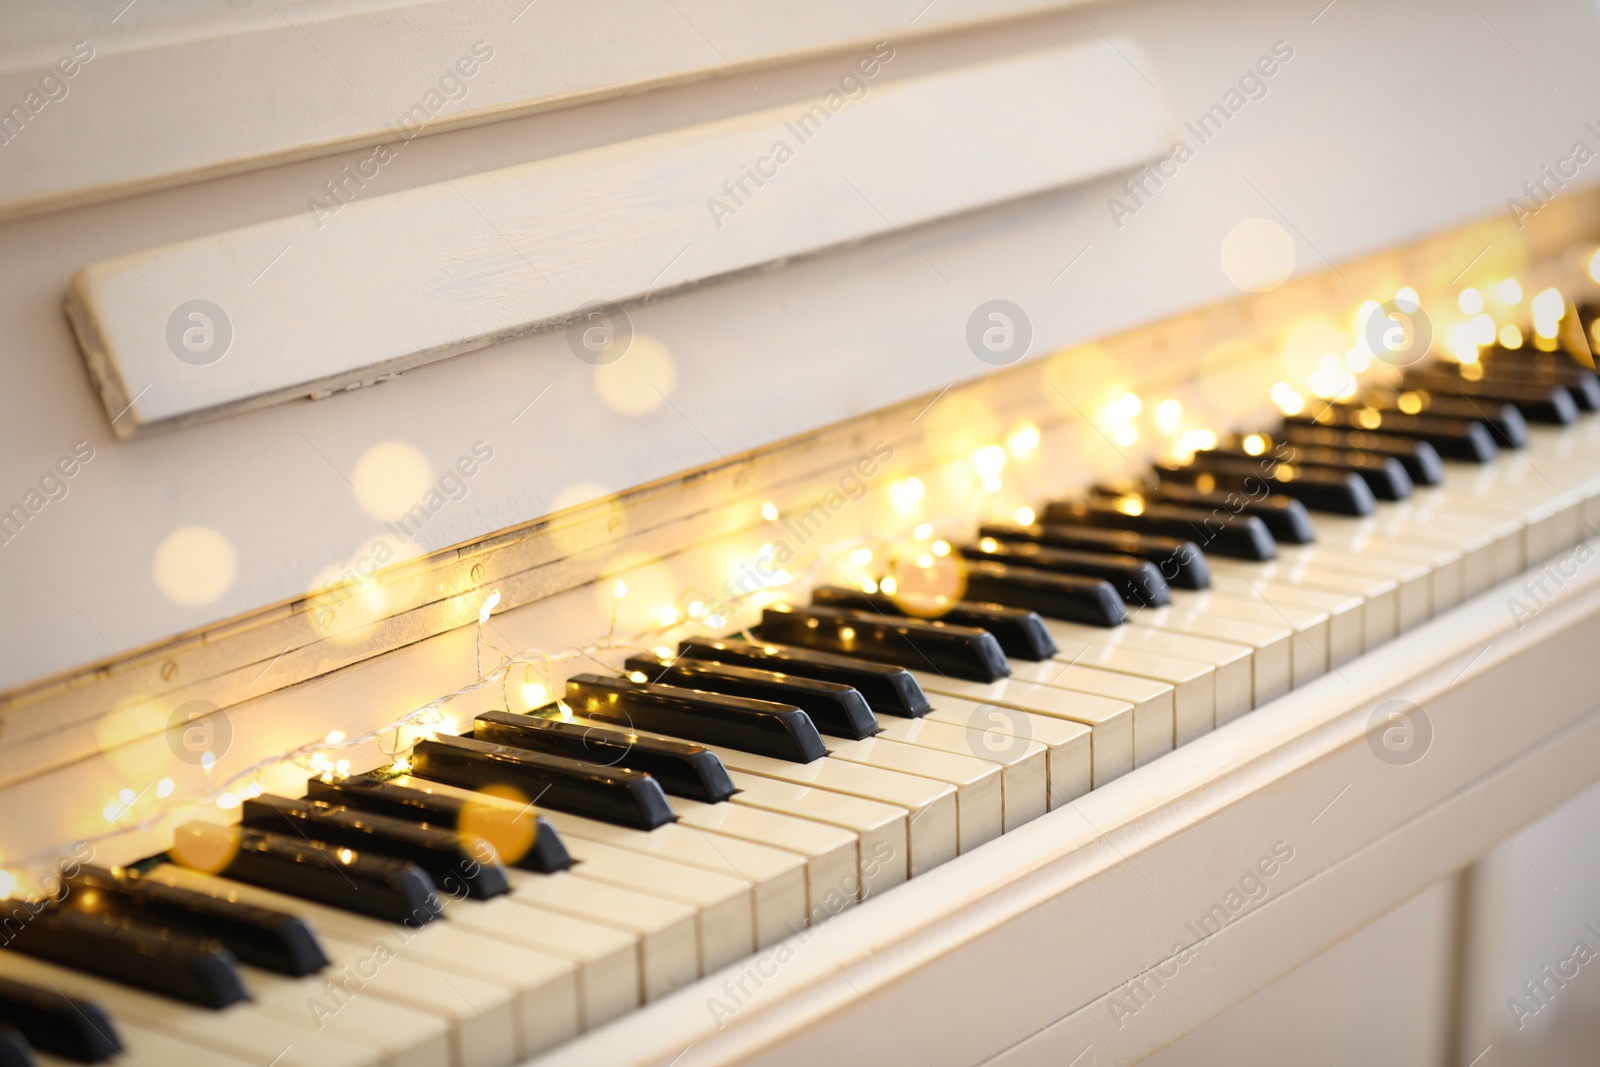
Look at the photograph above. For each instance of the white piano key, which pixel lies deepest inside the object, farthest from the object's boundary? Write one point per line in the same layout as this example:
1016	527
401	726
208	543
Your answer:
405	1036
832	856
1272	671
724	906
668	939
1413	578
1199	671
931	805
1379	598
980	800
241	1029
1025	772
1114	738
1308	651
880	829
777	879
145	1047
1070	753
502	1001
1346	625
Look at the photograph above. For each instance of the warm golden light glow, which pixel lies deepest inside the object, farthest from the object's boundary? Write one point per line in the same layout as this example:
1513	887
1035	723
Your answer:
1594	265
1409	402
1169	416
1510	336
923	531
868	585
1463	342
1126	436
638	676
227	802
619	589
1548	307
906	493
889	585
989	461
535	694
941	548
489	604
1130	505
1124	408
1024	516
1510	291
1023	441
924	561
1255	444
1483	330
988	544
1288	399
1472	372
847	633
1194	441
1407	299
1357	360
1369	418
861	557
1470	301
769	511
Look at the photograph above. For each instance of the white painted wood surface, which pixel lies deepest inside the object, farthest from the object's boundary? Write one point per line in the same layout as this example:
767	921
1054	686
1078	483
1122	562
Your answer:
396	281
389	66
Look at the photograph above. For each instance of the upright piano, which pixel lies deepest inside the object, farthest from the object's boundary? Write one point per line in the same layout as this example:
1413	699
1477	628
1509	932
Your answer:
936	532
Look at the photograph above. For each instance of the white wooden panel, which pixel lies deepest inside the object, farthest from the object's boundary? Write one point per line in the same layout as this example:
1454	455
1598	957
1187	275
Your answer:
390	65
205	327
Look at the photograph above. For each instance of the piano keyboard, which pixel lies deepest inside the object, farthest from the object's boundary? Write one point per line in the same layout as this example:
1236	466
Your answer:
490	896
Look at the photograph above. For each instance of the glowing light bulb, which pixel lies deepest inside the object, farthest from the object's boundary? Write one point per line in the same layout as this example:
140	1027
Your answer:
227	802
164	788
1023	441
1024	516
1407	299
1463	342
1472	372
1169	416
669	615
769	511
905	494
1357	360
1408	402
889	585
1470	301
401	765
847	633
989	544
696	609
1194	441
488	606
1510	336
941	548
535	694
1126	436
1288	399
989	461
1548	307
923	531
126	796
1255	444
638	676
111	812
1363	315
662	651
8	883
924	561
861	557
1510	291
868	585
1594	266
619	589
334	737
1483	330
1369	418
715	621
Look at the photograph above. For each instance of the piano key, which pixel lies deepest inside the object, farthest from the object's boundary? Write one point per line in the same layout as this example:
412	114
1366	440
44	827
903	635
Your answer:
176	964
1377	614
776	878
401	1035
627	798
955	650
664	930
1308	647
980	801
241	1030
778	730
1384	475
1538	403
1180	561
1136	580
1285	518
889	690
1240	536
1232	665
1339	492
1191	685
834	875
456	863
1503	422
525	840
14	1048
145	1047
683	768
839	710
275	940
1025	767
1116	744
931	828
1270	642
1413	577
499	998
724	906
1346	613
1082	598
1533	365
880	829
1070	755
1420	459
52	1023
1021	632
1452	438
380	886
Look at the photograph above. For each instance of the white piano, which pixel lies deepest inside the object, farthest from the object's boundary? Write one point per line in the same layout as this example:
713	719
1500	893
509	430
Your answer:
940	532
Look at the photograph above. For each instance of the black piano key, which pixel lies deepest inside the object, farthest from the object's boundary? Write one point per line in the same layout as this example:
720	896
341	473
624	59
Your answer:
1337	492
371	884
1136	581
1525	364
762	727
610	794
1285	518
172	963
273	940
14	1048
52	1022
1384	475
1180	561
838	710
1461	439
457	865
957	651
1238	535
545	854
1068	597
1420	459
1538	403
1021	632
1506	426
683	768
888	689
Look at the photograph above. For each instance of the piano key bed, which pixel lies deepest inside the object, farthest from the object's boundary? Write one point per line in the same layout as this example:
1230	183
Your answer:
494	895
